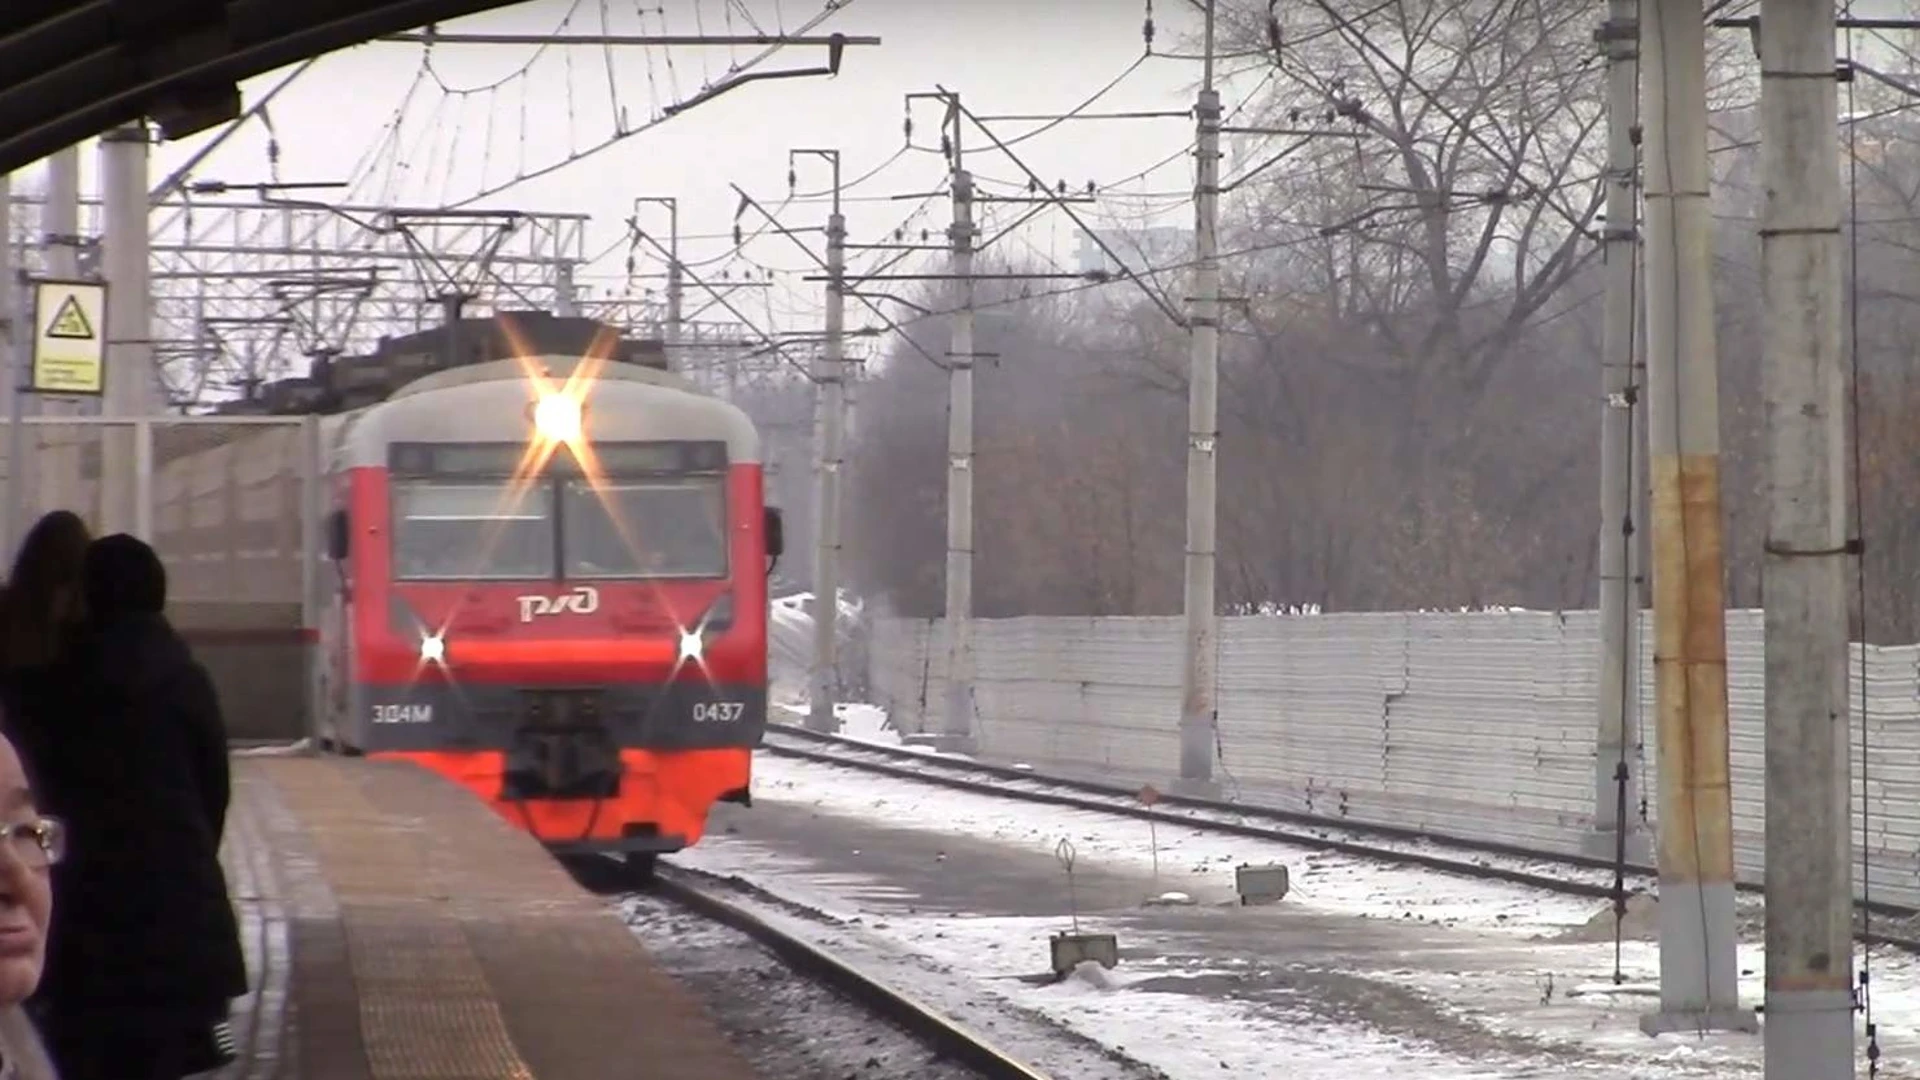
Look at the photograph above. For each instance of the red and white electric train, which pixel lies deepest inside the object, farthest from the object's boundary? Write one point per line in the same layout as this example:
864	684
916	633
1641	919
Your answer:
549	584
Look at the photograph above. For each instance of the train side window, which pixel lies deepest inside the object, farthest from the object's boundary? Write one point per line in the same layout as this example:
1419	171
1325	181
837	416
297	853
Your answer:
776	533
339	537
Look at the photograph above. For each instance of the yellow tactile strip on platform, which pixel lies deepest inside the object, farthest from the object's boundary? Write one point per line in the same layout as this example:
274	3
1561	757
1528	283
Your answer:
310	984
426	1009
474	955
261	1018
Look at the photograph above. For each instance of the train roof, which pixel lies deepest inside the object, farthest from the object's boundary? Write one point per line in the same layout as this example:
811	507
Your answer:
489	403
340	384
556	367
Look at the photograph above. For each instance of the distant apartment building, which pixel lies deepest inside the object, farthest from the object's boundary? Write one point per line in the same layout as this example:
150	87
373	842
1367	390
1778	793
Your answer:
1138	250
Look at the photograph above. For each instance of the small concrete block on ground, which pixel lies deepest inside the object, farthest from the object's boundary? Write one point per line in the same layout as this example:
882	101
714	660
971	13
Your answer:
396	927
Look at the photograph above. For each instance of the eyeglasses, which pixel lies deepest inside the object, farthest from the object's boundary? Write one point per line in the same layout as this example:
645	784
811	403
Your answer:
37	843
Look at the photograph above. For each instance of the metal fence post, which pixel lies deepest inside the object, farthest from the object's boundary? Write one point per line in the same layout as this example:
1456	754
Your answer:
142	478
313	501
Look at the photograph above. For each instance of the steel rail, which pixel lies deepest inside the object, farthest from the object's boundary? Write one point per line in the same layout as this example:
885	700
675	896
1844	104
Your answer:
690	890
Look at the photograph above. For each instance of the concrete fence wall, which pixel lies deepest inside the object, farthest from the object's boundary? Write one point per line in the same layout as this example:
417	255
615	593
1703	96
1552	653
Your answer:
1479	725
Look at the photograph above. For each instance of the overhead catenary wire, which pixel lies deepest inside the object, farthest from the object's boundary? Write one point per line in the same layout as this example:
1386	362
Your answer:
622	126
1857	454
735	251
1151	272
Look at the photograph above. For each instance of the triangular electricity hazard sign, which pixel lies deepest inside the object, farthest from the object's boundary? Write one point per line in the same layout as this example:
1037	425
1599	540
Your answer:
69	321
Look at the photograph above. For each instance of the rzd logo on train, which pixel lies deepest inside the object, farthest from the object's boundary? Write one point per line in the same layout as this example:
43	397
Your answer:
584	600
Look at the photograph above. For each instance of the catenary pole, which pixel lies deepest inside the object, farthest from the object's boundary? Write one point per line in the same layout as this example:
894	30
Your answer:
1699	971
830	381
1198	711
1809	913
957	732
1615	789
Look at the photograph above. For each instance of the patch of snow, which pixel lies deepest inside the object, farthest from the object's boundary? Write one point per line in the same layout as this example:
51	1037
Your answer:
1154	1010
1518	968
1097	975
1204	860
1188	1038
974	969
296	748
868	724
1567	993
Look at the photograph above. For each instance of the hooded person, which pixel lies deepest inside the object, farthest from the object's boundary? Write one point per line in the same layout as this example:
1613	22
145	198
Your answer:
144	956
42	606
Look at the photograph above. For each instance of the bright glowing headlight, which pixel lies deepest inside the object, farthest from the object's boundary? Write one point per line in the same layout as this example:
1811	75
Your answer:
691	646
556	418
433	649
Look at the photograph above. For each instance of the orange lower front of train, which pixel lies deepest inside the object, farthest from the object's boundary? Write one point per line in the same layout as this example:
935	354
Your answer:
661	804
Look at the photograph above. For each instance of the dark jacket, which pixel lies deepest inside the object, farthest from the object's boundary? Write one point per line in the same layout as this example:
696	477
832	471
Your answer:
127	743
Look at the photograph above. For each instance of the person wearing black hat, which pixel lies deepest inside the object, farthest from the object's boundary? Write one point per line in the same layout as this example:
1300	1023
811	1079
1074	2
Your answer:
144	955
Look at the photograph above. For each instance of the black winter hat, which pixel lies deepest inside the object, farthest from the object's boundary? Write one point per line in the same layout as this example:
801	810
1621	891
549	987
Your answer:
124	575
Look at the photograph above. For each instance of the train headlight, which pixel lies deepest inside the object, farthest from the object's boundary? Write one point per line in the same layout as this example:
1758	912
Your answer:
556	418
433	649
691	646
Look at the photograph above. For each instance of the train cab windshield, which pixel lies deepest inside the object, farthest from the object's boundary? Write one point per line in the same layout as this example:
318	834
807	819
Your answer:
647	524
466	530
651	528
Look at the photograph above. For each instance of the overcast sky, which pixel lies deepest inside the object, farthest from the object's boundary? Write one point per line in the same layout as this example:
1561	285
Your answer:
415	130
518	109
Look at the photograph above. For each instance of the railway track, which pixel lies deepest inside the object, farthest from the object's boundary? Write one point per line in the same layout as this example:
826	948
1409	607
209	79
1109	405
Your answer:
1572	875
719	900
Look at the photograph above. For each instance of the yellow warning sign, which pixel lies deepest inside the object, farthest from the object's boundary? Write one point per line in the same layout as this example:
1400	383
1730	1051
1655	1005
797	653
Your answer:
69	351
70	322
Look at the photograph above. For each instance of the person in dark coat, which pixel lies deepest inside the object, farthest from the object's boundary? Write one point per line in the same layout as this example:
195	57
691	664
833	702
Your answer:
41	610
145	954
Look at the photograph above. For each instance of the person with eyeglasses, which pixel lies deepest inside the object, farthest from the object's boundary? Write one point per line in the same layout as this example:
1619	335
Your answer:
30	843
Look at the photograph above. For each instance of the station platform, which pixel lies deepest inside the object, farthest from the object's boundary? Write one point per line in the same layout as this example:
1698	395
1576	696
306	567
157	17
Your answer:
396	927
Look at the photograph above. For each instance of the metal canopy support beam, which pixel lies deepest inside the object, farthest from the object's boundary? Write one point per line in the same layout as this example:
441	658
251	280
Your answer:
130	373
56	454
16	337
72	76
183	32
621	40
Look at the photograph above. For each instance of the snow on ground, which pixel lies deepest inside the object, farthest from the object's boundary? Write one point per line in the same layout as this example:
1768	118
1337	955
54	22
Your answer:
864	723
1190	860
1189	1037
860	722
1586	1006
789	1026
1519	979
1136	1011
1153	1009
297	748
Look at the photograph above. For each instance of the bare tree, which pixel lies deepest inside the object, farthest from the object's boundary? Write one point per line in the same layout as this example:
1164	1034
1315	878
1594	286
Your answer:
1468	197
1410	381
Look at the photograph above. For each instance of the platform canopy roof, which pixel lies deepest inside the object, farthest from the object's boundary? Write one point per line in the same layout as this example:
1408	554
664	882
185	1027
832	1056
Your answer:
71	69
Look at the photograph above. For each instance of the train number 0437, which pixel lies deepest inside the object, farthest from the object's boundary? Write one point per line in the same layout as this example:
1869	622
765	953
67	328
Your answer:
403	714
717	712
